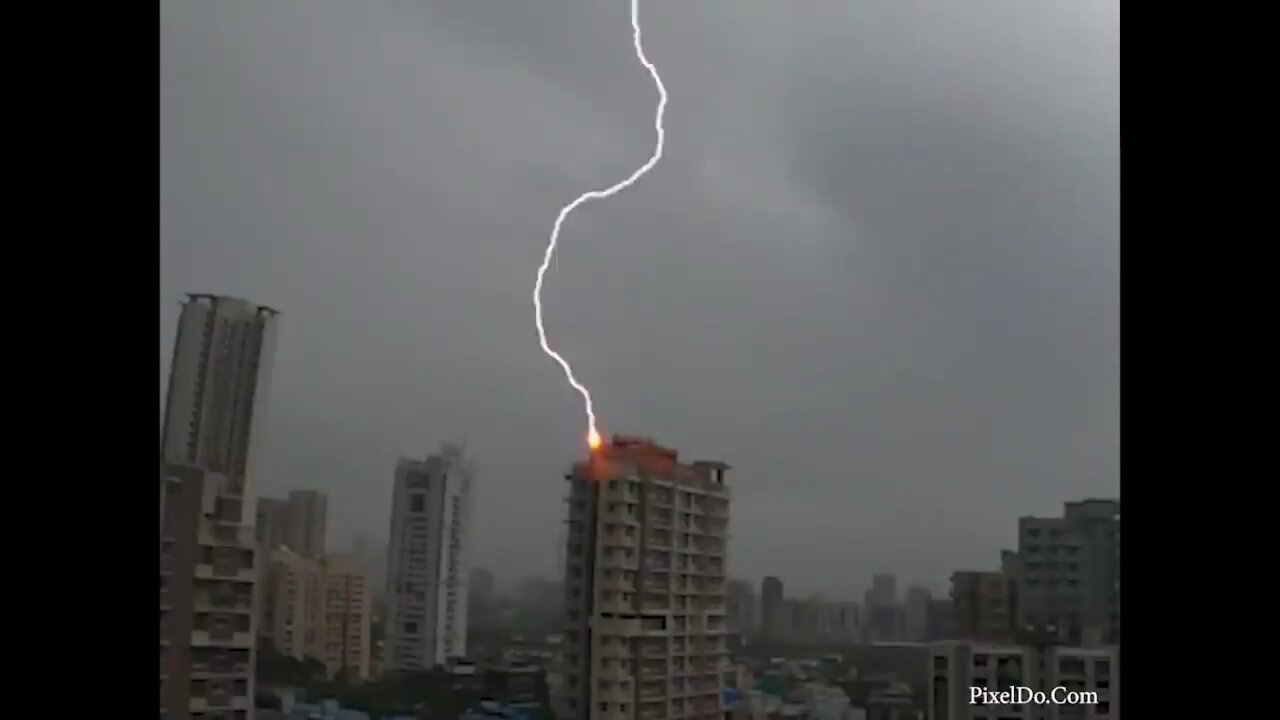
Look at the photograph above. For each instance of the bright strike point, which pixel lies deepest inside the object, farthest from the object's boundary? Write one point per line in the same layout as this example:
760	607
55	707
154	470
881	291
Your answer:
593	435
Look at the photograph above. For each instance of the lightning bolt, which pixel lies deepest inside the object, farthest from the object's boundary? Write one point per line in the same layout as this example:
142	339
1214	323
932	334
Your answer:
593	434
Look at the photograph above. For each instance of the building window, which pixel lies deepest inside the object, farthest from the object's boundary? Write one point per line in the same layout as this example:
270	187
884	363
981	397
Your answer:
417	503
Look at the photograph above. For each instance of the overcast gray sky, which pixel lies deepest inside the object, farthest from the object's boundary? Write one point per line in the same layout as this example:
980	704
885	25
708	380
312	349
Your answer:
877	271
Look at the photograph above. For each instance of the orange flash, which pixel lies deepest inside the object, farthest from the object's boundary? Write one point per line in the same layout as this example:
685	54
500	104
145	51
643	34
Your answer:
593	439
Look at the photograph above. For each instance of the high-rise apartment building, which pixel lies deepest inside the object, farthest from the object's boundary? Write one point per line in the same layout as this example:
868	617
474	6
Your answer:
772	619
344	641
211	438
1069	571
645	586
427	571
982	604
218	383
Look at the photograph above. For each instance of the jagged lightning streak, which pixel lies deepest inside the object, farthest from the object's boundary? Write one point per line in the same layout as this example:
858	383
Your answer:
593	435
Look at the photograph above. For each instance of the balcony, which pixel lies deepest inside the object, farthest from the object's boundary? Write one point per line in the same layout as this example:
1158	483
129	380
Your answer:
613	695
659	500
621	540
223	602
653	692
613	651
224	571
618	584
661	541
653	651
613	672
621	561
651	668
219	667
219	701
221	638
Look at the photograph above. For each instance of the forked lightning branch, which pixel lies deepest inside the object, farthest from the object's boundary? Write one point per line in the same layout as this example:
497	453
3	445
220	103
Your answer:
593	433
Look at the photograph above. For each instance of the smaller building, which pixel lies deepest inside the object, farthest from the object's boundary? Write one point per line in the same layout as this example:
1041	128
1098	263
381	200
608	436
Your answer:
982	604
961	670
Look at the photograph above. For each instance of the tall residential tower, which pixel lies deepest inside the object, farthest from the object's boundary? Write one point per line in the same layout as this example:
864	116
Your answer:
211	438
645	586
218	382
427	569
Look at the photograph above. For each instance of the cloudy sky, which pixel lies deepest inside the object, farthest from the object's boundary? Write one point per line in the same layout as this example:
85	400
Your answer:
877	270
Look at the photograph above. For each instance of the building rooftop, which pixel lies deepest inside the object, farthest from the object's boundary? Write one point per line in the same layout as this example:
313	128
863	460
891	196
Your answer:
637	454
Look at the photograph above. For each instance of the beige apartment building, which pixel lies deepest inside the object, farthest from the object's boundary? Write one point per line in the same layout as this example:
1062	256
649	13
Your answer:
291	611
206	599
320	609
345	639
645	586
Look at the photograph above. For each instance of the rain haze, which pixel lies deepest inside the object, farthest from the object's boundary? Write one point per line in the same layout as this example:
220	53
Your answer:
877	270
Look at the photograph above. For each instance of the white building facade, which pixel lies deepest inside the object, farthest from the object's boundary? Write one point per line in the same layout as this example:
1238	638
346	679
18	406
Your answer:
427	566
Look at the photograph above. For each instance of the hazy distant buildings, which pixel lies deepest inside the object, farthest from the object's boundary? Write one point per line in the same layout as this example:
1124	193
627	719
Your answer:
481	594
271	527
800	619
210	440
427	569
884	617
839	623
917	614
941	620
981	603
884	590
297	522
1070	571
482	587
771	609
742	607
645	582
308	516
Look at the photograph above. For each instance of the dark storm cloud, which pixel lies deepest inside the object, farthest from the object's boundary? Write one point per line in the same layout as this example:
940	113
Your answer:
877	271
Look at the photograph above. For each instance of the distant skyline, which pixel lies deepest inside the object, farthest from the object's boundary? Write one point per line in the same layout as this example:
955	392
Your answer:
877	271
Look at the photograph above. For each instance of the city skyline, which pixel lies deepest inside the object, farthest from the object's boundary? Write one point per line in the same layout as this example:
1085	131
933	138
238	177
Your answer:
891	303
